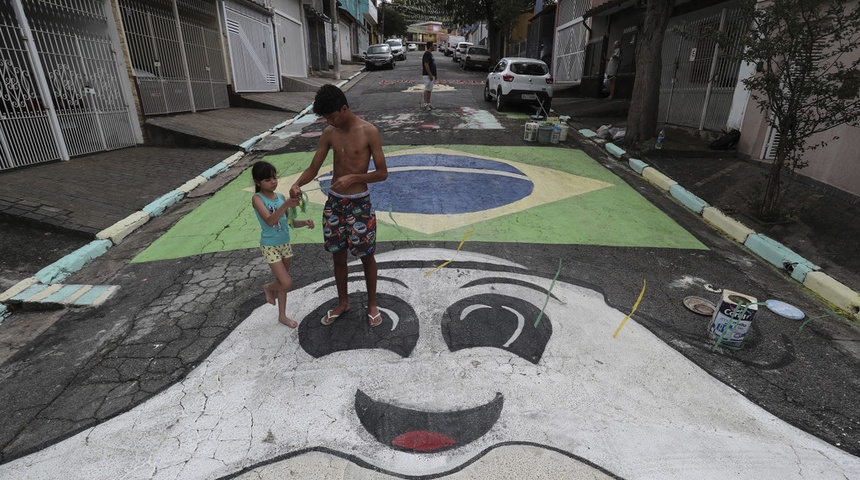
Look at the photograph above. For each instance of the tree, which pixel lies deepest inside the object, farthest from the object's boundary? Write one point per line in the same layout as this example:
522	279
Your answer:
394	24
806	82
642	116
501	17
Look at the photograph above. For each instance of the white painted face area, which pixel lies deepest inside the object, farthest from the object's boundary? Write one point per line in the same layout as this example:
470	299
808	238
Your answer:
630	405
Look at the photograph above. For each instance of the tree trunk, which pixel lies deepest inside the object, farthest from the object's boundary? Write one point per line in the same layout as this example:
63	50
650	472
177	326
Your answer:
769	209
642	117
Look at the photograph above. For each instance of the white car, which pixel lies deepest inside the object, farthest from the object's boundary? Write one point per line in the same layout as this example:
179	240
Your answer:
461	49
412	47
397	48
518	80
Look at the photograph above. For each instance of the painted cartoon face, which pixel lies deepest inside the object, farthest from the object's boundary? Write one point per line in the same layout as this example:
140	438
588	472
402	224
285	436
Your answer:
460	366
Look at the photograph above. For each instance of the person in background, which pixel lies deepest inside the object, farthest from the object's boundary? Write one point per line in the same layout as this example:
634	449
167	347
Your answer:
612	68
428	74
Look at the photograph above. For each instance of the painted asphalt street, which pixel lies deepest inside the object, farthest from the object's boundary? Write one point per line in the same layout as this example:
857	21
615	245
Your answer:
516	359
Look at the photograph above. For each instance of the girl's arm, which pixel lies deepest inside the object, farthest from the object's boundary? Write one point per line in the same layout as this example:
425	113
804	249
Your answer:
272	218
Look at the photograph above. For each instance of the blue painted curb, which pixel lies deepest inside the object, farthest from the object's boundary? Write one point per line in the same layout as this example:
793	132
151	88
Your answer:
72	262
247	144
159	205
780	256
615	150
686	197
637	165
4	313
220	167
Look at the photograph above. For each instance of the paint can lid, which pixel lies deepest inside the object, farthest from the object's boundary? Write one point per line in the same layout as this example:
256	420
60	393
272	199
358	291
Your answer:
700	305
784	309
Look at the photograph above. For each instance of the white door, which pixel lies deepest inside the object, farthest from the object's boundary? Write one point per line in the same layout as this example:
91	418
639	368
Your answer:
252	51
344	34
292	54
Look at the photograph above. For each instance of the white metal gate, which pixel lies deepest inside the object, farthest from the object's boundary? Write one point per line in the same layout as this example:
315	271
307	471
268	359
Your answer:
292	53
570	40
699	75
176	53
60	84
252	49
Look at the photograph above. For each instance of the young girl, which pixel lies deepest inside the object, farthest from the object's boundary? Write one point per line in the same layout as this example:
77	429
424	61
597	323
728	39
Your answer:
271	209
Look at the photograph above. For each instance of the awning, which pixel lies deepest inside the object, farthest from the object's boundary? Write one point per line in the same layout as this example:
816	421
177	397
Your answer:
609	8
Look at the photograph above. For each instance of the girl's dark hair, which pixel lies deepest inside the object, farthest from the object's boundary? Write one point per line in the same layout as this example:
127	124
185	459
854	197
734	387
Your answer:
262	171
329	99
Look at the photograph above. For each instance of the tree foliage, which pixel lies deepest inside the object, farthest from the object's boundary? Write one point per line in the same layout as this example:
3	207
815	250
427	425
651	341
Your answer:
393	22
806	81
501	17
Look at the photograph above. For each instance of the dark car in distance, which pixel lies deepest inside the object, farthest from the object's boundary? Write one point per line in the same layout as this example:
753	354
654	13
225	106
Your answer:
378	56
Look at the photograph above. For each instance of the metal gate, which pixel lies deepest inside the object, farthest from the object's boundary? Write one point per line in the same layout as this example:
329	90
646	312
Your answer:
699	75
176	54
59	83
571	36
252	49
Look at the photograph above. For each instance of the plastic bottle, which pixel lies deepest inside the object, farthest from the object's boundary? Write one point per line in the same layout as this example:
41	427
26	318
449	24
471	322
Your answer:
556	134
660	138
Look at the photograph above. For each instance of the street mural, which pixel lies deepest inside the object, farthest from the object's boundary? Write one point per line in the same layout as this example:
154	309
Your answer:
477	356
530	194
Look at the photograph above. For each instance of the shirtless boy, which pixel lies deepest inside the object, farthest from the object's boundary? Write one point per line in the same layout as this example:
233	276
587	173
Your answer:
349	222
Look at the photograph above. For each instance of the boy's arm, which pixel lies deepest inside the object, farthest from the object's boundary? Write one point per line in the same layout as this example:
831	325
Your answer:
313	169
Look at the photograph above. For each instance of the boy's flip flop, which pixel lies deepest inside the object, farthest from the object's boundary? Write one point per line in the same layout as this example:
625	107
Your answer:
329	317
374	320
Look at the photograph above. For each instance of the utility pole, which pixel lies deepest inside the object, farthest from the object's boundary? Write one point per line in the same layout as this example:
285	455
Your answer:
335	40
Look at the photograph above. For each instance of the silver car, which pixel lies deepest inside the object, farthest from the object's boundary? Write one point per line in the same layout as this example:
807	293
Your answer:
397	48
476	57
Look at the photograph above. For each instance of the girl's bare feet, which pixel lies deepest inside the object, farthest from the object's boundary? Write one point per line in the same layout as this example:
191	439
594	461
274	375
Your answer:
288	322
270	295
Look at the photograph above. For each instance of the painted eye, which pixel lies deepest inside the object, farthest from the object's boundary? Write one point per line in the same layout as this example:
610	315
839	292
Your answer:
397	333
500	321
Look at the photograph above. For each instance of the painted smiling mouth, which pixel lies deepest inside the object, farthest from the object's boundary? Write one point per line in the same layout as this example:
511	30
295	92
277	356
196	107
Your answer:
425	432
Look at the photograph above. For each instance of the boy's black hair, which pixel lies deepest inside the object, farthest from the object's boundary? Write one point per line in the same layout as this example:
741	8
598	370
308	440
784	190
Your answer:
329	99
261	171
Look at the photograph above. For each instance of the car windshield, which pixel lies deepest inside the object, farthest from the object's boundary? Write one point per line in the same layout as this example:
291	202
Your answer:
394	43
528	68
477	51
378	49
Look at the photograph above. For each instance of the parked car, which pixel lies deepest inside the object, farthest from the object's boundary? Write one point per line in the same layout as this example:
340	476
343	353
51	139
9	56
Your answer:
397	48
518	80
411	47
379	56
460	48
451	44
476	57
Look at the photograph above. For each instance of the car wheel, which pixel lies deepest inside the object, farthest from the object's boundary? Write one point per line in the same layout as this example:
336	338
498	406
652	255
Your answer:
500	103
391	66
487	97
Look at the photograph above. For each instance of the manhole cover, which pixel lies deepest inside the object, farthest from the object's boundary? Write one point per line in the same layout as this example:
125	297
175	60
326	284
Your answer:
700	305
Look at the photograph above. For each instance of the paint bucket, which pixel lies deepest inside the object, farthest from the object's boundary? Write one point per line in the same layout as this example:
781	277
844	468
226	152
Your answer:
544	133
556	133
563	136
732	319
531	130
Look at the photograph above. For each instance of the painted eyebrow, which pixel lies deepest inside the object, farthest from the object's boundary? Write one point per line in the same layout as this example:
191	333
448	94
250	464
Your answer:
509	281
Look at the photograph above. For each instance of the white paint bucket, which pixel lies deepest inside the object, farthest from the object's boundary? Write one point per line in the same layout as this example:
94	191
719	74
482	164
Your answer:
728	321
531	131
564	130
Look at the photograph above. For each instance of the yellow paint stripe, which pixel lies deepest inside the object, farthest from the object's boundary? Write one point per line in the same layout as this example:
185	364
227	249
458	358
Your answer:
452	259
635	306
